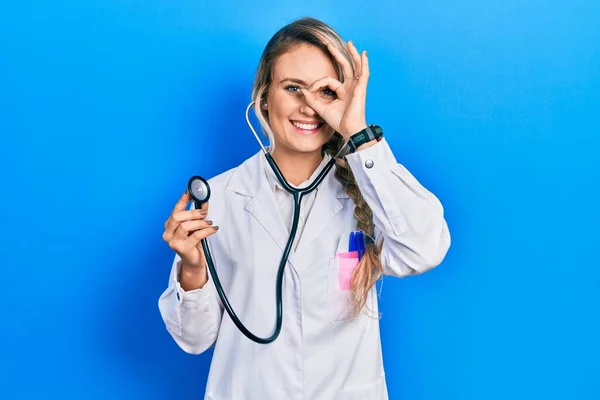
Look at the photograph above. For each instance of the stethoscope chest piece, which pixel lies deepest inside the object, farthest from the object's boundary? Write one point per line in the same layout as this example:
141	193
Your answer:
199	190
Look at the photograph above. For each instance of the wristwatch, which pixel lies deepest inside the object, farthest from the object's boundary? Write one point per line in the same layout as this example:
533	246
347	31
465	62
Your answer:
371	132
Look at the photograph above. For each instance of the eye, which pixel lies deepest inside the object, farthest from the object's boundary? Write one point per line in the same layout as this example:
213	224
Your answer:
293	89
328	92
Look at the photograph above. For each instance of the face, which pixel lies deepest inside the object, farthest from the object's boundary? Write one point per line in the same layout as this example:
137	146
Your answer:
296	126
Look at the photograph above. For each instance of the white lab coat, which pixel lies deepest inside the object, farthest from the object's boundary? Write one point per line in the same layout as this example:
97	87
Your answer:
321	353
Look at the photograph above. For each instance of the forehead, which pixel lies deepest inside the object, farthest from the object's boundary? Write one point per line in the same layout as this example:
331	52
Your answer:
304	62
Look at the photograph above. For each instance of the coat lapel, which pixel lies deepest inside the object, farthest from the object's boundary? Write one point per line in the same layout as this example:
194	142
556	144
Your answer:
264	208
250	180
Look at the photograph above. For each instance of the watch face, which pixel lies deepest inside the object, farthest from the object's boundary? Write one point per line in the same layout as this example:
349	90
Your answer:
360	137
372	132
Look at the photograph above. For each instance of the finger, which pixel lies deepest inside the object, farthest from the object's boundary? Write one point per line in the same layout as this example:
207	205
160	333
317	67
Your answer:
343	61
196	237
183	201
180	216
361	87
189	215
185	228
313	102
365	72
356	57
331	83
179	206
204	206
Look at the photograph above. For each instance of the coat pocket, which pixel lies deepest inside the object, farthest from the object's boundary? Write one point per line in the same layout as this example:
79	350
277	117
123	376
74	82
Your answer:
339	296
374	391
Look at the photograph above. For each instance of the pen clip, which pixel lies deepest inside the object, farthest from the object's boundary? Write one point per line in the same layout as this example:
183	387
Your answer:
360	239
351	242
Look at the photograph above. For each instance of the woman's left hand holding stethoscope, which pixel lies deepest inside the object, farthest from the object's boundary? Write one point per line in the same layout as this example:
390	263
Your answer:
345	114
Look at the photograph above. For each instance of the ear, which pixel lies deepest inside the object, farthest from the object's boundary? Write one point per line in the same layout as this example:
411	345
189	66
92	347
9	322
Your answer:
263	104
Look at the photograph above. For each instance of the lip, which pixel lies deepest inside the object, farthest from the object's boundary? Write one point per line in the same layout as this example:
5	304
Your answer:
306	122
307	132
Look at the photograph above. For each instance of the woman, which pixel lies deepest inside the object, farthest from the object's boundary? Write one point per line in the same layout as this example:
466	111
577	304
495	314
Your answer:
309	93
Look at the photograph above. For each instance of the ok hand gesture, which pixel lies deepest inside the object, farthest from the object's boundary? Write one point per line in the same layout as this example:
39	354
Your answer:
345	114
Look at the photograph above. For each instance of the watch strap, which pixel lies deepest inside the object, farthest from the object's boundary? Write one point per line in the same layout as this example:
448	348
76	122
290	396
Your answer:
371	132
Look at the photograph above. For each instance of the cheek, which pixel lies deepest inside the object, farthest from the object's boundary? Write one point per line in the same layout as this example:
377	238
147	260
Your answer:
283	104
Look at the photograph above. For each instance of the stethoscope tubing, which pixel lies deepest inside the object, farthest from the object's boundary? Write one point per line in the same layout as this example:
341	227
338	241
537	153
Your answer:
297	195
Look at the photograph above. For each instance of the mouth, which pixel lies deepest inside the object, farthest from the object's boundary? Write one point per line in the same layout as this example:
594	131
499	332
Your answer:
307	127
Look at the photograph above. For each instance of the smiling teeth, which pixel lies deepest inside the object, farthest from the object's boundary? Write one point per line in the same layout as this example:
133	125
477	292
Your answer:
307	127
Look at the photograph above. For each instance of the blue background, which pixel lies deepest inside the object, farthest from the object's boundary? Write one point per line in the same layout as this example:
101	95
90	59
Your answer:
107	108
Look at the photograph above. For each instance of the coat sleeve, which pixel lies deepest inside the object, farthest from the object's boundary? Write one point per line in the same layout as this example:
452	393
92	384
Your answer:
193	317
406	215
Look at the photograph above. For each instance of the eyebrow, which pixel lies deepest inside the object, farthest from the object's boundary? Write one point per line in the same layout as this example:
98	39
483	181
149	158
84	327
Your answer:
299	81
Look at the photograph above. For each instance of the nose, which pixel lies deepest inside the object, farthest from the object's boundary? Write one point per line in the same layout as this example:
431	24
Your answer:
307	110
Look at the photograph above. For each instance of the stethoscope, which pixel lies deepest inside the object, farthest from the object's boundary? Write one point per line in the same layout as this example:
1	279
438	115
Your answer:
199	191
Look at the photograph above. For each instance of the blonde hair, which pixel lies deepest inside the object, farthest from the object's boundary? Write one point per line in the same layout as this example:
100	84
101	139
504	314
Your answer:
310	31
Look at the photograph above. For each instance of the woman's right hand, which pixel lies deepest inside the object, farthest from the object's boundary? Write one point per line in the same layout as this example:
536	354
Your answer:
185	229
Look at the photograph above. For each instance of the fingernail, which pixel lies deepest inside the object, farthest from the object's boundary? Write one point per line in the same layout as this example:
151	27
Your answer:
216	228
209	222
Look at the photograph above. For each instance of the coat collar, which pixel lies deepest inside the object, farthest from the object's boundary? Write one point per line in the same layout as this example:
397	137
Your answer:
250	180
247	179
274	182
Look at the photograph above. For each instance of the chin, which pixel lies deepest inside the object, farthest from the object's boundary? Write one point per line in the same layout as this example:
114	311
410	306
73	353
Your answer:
308	145
306	148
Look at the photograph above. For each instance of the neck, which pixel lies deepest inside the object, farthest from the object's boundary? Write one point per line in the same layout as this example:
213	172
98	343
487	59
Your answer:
296	167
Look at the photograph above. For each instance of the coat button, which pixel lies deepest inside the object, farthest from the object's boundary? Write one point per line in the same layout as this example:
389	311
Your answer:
369	163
